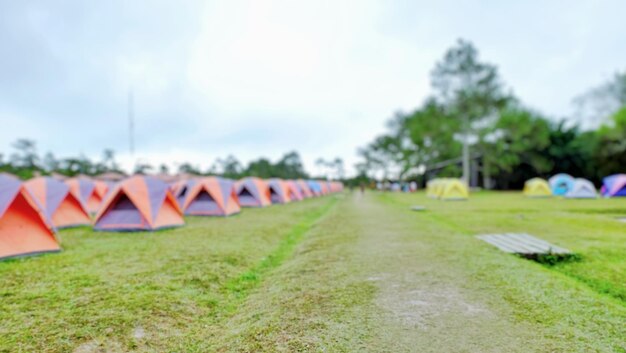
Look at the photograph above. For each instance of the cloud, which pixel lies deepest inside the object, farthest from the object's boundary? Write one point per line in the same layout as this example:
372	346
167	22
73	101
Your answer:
260	78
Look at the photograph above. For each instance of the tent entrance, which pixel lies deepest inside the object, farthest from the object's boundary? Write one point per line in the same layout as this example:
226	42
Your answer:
204	203
181	195
246	198
122	214
274	196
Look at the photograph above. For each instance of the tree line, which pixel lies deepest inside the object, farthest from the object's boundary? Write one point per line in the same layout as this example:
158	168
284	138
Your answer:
509	142
25	162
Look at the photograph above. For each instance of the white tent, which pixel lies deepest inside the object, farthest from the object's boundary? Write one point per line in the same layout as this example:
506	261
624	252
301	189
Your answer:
582	189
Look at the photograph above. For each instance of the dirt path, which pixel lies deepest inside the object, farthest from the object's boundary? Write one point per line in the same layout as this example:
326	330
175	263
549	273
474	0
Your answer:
428	301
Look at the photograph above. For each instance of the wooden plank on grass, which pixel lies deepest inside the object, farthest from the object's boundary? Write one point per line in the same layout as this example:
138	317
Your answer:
523	244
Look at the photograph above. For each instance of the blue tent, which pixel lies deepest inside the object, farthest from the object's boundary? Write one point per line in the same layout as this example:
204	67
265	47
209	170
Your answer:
561	184
315	187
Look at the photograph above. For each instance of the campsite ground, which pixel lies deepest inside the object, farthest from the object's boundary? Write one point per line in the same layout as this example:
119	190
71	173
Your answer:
339	273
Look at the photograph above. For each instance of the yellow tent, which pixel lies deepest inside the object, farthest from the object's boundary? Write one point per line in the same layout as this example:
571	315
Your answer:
432	188
537	187
454	189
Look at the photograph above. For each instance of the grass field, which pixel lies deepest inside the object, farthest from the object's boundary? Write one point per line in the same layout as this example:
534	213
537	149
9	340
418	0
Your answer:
338	274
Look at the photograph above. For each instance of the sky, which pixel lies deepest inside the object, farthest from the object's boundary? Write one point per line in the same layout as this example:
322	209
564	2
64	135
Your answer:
260	78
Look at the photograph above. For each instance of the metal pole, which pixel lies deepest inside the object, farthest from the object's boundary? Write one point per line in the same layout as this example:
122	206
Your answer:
131	123
466	150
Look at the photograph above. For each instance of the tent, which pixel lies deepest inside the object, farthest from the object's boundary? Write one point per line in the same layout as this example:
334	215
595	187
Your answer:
253	192
280	191
431	190
614	185
304	188
323	186
561	184
177	186
89	192
582	189
436	187
454	189
139	203
24	227
315	187
59	204
295	189
209	196
8	175
537	187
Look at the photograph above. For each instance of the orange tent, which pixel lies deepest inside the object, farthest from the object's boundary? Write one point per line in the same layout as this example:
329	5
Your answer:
253	192
294	190
139	203
209	196
24	228
59	204
283	191
89	192
304	188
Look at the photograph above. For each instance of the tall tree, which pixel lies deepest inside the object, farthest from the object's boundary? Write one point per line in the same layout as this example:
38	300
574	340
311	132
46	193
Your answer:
471	91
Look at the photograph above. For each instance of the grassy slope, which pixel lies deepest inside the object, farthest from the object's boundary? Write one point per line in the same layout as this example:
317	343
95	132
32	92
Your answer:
145	291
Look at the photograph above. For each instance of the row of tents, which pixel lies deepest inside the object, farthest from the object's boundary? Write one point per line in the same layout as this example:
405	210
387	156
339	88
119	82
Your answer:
567	186
447	189
32	211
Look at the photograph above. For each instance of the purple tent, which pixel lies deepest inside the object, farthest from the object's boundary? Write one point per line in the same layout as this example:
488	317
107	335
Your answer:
614	185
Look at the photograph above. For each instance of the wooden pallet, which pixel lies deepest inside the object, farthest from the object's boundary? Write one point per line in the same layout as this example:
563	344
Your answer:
523	244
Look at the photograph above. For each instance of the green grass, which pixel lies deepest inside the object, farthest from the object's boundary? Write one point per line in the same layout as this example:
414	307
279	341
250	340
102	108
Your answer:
336	274
587	227
105	286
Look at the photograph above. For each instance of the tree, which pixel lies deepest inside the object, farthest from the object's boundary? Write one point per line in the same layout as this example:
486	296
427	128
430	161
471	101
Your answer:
26	156
142	168
108	160
472	92
75	165
188	168
164	169
50	163
290	167
609	146
519	141
261	168
229	167
431	130
340	170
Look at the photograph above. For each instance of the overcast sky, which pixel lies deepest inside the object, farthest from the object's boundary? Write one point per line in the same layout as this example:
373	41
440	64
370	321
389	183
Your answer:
259	78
